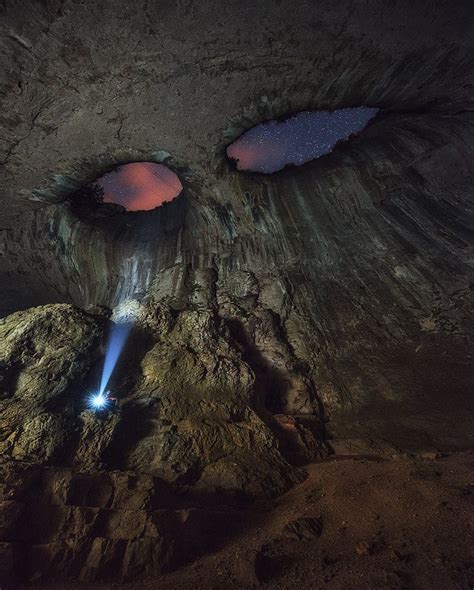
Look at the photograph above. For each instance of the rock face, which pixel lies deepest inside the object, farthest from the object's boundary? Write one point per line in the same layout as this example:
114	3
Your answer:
100	525
44	354
303	529
130	486
327	301
186	413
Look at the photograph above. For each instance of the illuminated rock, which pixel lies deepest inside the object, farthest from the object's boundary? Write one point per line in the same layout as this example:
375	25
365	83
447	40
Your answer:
334	295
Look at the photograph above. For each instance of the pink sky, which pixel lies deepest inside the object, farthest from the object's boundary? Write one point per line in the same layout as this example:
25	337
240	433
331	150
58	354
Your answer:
140	186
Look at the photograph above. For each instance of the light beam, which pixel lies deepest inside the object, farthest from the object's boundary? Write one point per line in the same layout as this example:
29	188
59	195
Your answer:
118	337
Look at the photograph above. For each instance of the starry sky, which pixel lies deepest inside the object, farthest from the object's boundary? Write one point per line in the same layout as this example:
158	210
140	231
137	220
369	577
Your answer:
140	186
308	135
268	147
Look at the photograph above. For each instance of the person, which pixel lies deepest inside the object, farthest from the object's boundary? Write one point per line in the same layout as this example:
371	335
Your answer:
109	398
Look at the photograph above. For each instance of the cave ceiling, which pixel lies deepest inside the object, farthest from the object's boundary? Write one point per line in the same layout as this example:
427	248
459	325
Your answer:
89	85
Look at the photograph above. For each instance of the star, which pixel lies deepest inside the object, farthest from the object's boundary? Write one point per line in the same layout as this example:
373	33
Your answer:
271	146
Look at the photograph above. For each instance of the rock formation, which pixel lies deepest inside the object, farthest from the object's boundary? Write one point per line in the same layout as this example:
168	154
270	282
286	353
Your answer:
321	306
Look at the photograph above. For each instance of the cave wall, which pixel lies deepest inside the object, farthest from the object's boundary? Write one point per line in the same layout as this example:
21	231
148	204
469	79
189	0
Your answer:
280	315
363	258
344	283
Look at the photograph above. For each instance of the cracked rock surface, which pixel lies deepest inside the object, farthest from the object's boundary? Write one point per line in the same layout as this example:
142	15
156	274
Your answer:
132	486
326	307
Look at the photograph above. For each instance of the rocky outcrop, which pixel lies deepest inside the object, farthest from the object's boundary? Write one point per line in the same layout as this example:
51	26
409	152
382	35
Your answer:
98	526
84	490
44	355
187	408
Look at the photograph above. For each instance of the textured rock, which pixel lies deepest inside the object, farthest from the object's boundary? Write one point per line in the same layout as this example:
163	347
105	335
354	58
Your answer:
336	291
97	526
346	281
99	98
45	354
187	423
304	528
188	415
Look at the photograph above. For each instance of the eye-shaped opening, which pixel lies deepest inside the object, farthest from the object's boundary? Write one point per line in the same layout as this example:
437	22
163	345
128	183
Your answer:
274	145
134	187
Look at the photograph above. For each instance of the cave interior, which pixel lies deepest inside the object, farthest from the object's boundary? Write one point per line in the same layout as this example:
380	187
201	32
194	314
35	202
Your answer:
249	232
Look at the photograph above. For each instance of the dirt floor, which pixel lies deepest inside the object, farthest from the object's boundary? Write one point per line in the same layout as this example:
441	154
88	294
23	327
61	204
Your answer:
354	523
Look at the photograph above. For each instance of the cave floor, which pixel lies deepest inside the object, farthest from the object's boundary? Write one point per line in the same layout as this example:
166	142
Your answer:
356	522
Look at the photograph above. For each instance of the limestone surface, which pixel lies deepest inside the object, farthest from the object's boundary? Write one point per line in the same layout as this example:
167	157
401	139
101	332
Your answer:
325	307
